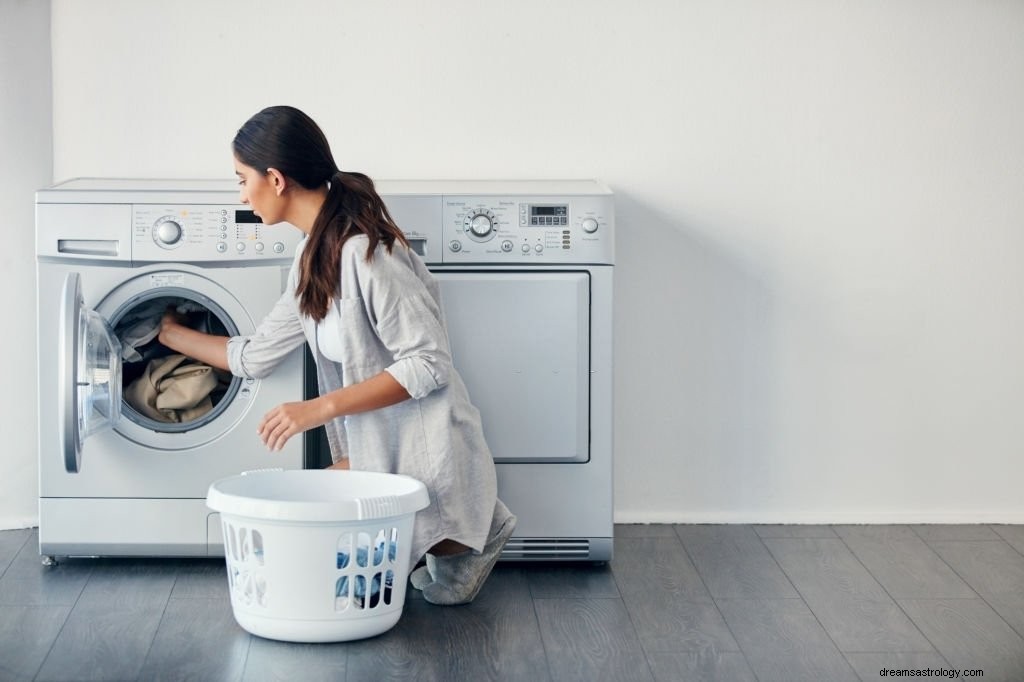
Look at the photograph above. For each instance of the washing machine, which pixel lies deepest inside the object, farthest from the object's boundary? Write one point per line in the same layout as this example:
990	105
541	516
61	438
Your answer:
120	474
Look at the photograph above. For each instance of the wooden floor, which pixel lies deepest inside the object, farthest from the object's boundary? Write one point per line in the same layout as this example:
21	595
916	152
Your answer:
732	603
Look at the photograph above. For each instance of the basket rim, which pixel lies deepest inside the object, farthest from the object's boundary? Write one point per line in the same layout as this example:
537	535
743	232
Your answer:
333	496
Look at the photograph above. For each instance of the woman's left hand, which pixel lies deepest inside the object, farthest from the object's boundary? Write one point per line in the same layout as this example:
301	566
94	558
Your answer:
284	421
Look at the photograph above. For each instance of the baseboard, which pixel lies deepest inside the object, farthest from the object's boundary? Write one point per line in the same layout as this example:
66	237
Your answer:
821	517
18	522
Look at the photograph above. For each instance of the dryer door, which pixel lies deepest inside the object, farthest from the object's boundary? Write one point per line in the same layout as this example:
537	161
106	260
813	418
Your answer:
89	372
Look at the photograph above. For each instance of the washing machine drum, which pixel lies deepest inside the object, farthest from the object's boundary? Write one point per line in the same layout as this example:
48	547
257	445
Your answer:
162	390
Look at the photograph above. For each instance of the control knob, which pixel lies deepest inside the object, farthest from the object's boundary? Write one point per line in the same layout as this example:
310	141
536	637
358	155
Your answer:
480	225
167	232
589	225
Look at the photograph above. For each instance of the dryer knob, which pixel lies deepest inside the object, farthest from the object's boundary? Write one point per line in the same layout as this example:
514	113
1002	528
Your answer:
480	224
168	232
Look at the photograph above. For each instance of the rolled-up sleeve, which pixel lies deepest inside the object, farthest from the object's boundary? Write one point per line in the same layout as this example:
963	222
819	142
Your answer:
422	360
407	317
280	332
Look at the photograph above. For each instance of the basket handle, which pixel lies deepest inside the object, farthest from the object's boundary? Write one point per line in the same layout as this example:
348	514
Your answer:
378	507
259	471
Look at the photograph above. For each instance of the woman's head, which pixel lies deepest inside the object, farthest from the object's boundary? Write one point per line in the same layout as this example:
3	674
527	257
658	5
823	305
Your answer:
286	139
281	146
275	148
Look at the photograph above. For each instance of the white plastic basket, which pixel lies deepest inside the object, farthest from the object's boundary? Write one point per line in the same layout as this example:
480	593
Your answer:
317	555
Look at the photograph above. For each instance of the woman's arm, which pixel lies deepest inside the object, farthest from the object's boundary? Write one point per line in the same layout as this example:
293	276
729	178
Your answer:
289	419
207	348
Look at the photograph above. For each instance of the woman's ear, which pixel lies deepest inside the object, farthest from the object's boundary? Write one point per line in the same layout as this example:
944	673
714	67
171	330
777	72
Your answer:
278	180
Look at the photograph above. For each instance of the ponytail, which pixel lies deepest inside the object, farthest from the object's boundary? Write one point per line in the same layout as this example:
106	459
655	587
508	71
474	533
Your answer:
352	207
287	139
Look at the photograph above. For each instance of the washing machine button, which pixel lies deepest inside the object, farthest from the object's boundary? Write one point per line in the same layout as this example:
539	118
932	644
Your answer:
222	247
539	248
506	246
240	246
455	245
278	247
526	248
259	247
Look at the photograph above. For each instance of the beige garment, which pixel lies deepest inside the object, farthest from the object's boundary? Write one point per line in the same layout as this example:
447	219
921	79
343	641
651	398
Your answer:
173	389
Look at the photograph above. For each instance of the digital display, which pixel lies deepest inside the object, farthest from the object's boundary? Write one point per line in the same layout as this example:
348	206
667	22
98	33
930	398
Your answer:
549	216
549	210
247	217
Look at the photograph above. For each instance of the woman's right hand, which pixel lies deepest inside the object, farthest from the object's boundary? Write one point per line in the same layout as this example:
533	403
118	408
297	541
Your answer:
171	320
179	337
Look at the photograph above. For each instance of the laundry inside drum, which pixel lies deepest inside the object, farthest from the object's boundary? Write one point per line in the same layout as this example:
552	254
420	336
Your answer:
164	390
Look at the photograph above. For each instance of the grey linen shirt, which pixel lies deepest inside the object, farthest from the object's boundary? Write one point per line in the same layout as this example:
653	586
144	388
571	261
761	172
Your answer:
389	318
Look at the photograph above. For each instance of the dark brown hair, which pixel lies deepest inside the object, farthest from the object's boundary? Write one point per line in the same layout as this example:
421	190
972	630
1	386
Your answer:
285	138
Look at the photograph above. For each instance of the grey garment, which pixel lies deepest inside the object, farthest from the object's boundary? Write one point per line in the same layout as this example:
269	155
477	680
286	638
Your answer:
142	325
389	318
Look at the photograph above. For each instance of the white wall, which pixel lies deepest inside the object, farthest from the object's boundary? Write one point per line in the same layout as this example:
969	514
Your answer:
26	163
819	302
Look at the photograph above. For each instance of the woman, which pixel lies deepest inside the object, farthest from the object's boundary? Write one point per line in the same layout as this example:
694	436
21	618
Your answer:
364	301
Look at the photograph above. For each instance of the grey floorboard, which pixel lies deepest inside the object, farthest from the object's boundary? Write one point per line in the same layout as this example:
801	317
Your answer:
850	604
496	637
128	583
668	623
11	542
201	579
943	532
802	531
708	666
590	639
643	530
969	634
658	565
868	665
102	643
734	563
26	635
995	571
1011	534
27	583
903	563
271	661
197	639
784	642
570	580
666	608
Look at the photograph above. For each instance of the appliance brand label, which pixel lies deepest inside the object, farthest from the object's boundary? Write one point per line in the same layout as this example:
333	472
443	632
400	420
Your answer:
171	279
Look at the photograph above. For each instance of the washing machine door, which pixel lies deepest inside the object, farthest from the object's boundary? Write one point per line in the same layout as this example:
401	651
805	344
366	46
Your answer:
89	372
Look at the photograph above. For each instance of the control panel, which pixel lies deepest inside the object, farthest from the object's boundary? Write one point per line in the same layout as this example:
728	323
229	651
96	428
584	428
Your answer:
207	233
508	229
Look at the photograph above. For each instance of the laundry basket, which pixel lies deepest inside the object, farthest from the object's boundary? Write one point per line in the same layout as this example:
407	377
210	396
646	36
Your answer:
317	555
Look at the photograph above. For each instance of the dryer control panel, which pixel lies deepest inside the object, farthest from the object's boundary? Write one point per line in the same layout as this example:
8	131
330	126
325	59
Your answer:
207	233
538	229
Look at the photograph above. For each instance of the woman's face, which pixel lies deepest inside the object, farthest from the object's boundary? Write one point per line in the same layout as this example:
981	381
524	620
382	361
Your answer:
257	189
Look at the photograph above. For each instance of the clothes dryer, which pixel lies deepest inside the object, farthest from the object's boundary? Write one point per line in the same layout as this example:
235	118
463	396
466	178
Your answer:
116	478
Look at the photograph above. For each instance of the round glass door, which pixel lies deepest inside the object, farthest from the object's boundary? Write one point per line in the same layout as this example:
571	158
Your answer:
170	402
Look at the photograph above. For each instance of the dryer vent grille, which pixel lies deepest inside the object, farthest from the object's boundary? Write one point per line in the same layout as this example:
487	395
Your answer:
546	548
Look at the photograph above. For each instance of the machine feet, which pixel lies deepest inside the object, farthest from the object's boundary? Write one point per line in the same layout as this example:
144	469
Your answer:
49	560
